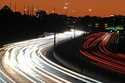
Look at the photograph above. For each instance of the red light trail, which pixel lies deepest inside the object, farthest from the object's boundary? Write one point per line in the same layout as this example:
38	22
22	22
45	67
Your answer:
102	56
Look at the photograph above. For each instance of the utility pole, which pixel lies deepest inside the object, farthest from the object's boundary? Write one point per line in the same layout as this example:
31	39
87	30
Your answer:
32	9
25	10
54	40
54	33
10	4
28	10
15	5
74	22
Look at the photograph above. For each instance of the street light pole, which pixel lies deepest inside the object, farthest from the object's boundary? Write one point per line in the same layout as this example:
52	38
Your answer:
74	28
74	32
54	40
54	33
118	37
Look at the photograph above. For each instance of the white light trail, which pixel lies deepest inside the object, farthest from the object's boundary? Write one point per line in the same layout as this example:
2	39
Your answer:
28	60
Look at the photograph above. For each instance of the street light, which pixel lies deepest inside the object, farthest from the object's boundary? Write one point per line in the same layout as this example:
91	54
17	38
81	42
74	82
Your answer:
54	40
90	11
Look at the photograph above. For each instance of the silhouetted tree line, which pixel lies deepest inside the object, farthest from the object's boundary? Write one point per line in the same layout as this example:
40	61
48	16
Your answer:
115	20
16	24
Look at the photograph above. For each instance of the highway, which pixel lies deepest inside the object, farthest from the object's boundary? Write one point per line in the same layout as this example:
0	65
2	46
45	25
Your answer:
96	49
26	62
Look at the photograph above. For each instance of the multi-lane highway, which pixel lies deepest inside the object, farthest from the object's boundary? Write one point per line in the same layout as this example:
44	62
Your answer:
95	48
26	62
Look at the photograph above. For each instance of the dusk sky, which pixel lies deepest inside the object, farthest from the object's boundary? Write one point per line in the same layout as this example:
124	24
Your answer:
72	7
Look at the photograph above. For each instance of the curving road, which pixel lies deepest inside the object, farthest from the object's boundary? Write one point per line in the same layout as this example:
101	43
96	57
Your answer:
96	49
26	62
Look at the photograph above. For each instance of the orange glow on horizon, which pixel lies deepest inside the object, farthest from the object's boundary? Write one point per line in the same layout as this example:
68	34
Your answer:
71	7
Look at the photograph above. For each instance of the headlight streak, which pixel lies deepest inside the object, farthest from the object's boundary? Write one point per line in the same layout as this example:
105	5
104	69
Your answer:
8	62
70	73
27	60
46	73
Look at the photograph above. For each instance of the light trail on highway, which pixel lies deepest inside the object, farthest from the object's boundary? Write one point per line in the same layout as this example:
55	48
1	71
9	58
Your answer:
26	62
96	49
